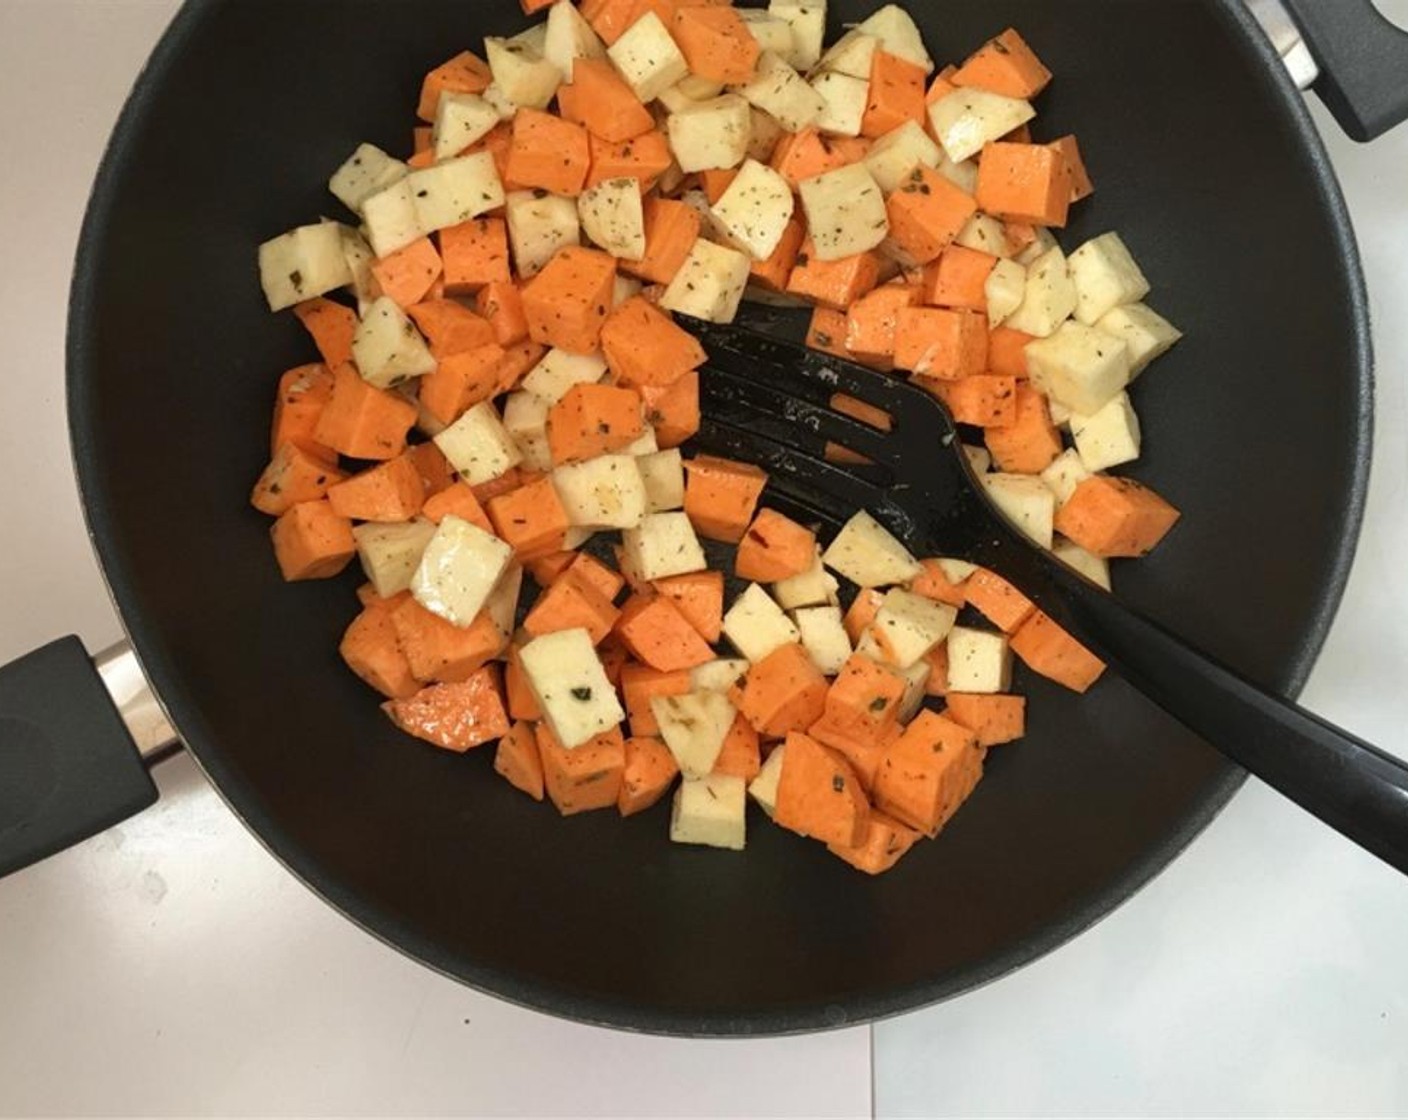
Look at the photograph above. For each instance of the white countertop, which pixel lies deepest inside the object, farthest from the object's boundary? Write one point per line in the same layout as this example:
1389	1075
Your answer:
171	967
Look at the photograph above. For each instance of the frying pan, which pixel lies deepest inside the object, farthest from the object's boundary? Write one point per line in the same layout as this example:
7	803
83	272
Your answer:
1258	427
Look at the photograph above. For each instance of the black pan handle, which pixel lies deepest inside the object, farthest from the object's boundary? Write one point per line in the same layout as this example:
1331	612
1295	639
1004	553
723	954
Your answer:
1363	61
69	766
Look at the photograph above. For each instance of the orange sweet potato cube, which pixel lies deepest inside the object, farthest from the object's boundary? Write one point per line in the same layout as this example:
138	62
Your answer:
1081	186
926	213
450	327
872	320
928	772
502	305
896	95
671	229
1024	183
518	762
655	631
836	283
783	692
304	392
372	651
572	603
941	344
933	583
984	400
1047	649
440	651
331	326
522	703
1005	65
566	304
809	153
465	73
475	253
716	43
819	795
457	500
1031	442
774	272
639	683
774	548
292	477
1115	517
644	346
455	716
862	612
548	153
959	279
598	99
673	410
460	381
863	701
827	332
644	159
993	719
597	574
530	519
997	600
741	754
885	844
721	496
361	421
592	420
391	491
311	541
408	274
700	598
1007	352
586	777
649	772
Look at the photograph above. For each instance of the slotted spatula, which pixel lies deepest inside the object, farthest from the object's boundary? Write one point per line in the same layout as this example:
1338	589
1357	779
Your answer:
769	402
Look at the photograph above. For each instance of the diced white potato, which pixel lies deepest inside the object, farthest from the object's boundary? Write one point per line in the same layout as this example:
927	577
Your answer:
1064	474
674	99
390	553
770	31
624	288
455	191
506	109
978	661
824	637
985	235
526	420
898	35
387	348
602	493
916	691
980	457
533	39
867	554
893	158
781	92
479	446
303	263
663	545
576	536
461	119
539	224
1092	567
647	443
718	675
711	811
763	789
571	687
367	171
699	88
360	258
816	587
1049	299
560	370
755	209
756	625
460	567
711	135
843	101
569	37
969	119
502	604
390	218
710	284
908	626
1060	414
764	133
711	229
1109	436
1147	334
1079	366
845	212
807	18
1026	502
1042	243
521	72
1106	276
647	57
694	727
612	216
962	174
956	571
663	475
852	54
1005	289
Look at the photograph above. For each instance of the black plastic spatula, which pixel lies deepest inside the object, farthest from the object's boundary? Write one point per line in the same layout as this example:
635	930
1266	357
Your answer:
769	402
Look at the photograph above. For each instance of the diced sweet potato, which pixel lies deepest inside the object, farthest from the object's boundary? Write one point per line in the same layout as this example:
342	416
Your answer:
945	345
671	229
293	476
1024	183
465	73
1081	186
649	772
586	777
502	305
638	684
862	612
548	153
572	603
312	542
993	718
655	631
1115	517
408	274
928	772
1047	649
886	841
460	381
1030	443
517	760
530	519
716	43
598	99
983	400
872	320
819	795
783	692
304	392
673	410
836	283
1005	65
774	548
958	279
700	598
997	600
1007	352
592	420
644	346
741	754
440	651
331	326
645	159
457	501
372	651
475	254
566	304
926	213
721	496
456	717
390	492
363	422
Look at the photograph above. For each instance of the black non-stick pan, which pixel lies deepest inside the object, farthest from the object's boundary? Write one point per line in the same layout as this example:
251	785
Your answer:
1257	426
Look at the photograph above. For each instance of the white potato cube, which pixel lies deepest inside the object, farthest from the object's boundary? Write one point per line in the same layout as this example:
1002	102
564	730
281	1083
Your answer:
360	258
824	637
694	727
663	545
711	135
571	687
711	811
1147	334
613	217
1005	289
1060	414
674	100
644	444
867	554
852	55
898	35
390	553
478	445
506	109
816	587
624	288
367	171
916	691
539	224
979	457
1025	501
560	370
845	212
1042	243
956	571
303	263
985	235
756	625
455	191
770	31
978	661
461	119
969	119
526	420
843	101
461	565
755	210
718	675
1065	473
764	133
807	18
763	789
387	348
1049	299
602	493
895	156
908	626
576	536
569	37
698	88
533	39
962	174
710	284
502	604
647	57
1092	567
1108	437
663	475
711	229
521	72
1106	276
390	218
1079	366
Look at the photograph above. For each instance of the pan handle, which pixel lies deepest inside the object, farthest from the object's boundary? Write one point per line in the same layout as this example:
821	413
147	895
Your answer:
1363	61
76	738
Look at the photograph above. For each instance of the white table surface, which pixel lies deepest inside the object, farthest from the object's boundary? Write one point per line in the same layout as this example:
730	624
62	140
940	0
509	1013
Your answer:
170	967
